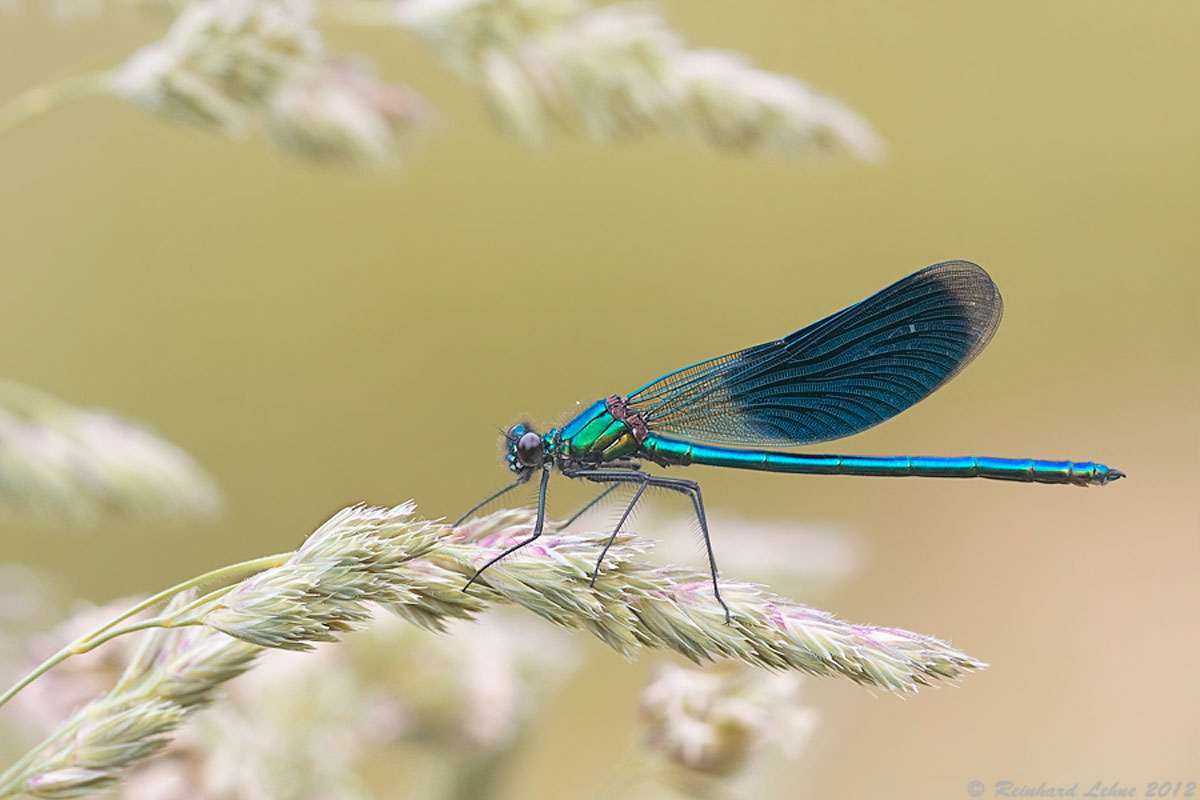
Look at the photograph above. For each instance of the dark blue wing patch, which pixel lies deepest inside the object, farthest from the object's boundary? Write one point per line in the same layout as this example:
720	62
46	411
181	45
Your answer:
836	377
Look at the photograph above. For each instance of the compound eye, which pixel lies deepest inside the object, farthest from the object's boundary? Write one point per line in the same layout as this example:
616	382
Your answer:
529	449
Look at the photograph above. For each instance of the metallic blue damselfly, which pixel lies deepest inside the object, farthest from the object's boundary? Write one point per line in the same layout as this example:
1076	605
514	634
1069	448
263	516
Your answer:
837	377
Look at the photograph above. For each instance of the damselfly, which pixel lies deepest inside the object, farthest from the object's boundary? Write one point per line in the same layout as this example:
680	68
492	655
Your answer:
834	378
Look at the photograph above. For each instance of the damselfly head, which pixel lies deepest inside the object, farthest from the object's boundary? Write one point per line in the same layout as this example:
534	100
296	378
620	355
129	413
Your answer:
523	449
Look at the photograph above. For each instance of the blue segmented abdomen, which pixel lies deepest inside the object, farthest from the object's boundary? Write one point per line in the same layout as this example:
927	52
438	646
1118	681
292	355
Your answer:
669	451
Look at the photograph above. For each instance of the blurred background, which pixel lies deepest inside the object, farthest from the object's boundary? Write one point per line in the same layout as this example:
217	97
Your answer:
319	337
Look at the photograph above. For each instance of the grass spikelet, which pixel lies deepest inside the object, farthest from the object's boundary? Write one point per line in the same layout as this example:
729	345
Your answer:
134	721
607	73
324	587
387	556
710	724
68	465
620	71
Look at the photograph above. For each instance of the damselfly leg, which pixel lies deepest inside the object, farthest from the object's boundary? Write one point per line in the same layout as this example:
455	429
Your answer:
538	524
680	485
490	498
588	506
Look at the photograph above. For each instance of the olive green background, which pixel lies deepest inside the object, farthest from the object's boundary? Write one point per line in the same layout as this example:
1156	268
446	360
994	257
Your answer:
319	338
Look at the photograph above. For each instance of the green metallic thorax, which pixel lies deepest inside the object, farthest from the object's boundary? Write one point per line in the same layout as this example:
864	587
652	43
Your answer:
595	436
